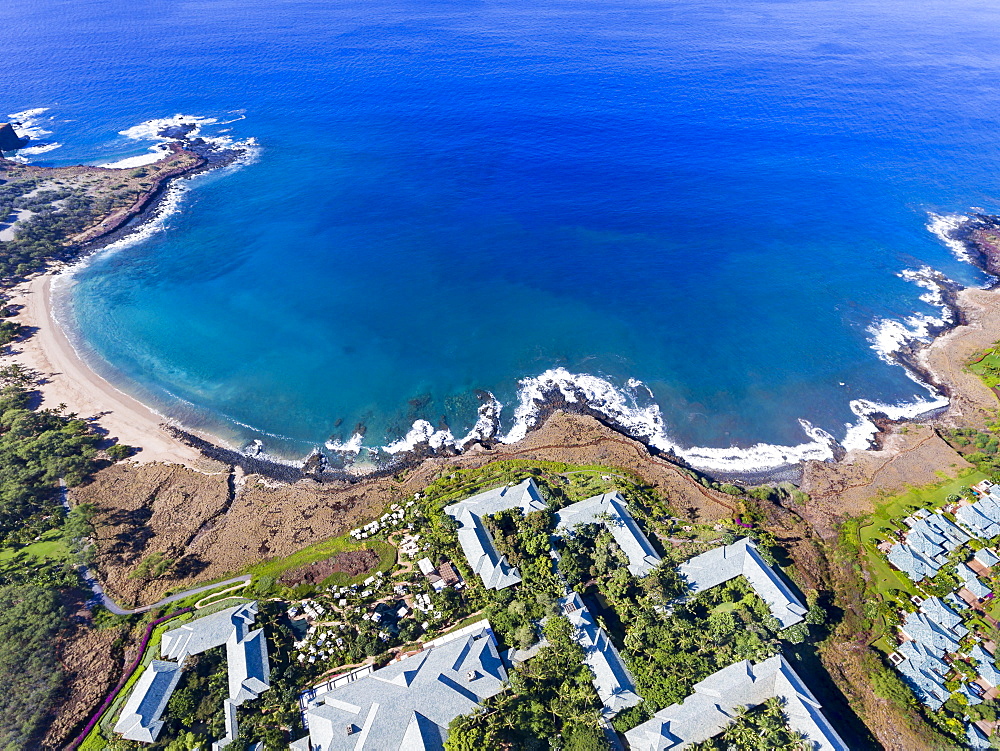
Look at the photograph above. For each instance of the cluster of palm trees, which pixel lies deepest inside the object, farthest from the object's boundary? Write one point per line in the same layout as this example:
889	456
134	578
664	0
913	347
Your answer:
760	728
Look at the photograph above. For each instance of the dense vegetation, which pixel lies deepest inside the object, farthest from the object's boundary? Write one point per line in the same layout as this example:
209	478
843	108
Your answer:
30	618
37	449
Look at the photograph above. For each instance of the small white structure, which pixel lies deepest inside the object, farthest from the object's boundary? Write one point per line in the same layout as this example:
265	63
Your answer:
719	565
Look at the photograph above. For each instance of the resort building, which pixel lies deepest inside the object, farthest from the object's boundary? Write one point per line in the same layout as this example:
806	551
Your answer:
935	625
208	632
973	590
140	717
247	664
610	510
926	546
408	704
612	680
716	701
477	545
987	667
721	564
986	558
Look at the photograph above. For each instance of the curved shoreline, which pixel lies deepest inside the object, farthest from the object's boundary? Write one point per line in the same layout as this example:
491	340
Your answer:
69	380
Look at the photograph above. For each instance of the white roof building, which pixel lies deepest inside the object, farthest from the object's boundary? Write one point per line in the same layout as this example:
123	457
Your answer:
714	704
407	705
140	717
612	680
480	552
611	511
721	564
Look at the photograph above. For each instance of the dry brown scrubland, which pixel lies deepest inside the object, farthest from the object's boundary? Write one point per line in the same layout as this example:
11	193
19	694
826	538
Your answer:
218	524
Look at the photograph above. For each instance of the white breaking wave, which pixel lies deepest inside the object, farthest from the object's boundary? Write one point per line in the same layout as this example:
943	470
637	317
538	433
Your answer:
421	433
645	422
889	335
149	130
42	148
942	226
155	154
351	446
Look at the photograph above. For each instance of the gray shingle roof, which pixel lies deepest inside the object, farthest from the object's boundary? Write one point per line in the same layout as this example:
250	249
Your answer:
742	559
987	557
140	717
612	680
641	555
987	667
480	552
982	517
930	539
713	705
248	667
408	705
211	631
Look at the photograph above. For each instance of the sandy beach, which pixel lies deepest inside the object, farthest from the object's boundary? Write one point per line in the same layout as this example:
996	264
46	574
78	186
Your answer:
68	380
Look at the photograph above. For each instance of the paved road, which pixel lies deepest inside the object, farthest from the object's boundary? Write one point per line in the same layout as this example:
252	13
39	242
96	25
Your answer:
91	580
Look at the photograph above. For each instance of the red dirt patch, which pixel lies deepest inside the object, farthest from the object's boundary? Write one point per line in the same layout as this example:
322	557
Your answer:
350	562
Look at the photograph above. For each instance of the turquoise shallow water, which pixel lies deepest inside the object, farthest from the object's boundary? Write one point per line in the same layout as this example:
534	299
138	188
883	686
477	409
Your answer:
452	197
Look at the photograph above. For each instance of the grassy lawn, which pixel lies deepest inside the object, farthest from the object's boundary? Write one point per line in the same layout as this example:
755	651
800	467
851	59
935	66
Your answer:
988	367
275	567
50	546
894	509
726	607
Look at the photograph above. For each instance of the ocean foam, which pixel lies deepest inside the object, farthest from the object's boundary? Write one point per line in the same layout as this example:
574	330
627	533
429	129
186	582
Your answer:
29	123
351	446
149	130
890	336
421	433
623	407
156	153
861	435
942	226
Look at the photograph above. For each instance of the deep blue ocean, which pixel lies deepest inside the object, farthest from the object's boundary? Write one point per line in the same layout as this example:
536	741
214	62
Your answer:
712	198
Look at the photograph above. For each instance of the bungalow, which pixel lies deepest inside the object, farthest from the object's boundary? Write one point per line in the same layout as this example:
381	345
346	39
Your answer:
719	565
928	542
987	667
715	703
610	510
612	680
982	518
407	704
936	626
477	545
924	670
986	558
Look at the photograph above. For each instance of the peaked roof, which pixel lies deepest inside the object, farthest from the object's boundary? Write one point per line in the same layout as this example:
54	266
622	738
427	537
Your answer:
714	703
987	667
408	705
987	557
924	671
480	552
612	680
982	517
248	667
611	510
742	559
140	717
211	631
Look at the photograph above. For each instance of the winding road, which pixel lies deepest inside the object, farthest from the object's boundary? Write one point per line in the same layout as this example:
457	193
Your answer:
90	579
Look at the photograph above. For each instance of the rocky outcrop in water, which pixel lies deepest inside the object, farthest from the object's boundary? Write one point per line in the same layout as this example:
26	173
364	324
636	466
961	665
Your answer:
9	140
